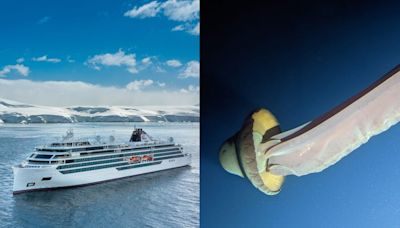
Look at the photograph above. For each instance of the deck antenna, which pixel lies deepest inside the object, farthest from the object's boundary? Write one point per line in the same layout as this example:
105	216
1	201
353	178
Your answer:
69	134
98	139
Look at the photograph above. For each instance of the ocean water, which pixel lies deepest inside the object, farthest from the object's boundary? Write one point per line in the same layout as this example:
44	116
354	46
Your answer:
163	199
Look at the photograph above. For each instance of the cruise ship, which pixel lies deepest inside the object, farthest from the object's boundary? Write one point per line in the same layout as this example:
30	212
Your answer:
72	163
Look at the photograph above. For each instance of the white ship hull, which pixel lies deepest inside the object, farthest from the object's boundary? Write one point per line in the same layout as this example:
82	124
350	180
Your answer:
24	176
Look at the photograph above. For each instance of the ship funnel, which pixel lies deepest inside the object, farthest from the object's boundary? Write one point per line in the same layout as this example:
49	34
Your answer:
137	135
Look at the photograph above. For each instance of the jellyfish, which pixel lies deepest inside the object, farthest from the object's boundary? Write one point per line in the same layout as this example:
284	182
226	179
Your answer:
264	155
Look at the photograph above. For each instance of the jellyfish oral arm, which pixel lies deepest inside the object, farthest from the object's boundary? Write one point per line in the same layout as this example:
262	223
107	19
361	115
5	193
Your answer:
323	142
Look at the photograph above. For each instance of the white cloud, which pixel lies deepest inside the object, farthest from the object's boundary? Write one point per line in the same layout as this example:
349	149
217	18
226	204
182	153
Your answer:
70	60
176	10
181	10
192	69
19	68
148	10
116	59
20	60
44	58
161	84
138	85
190	28
173	63
146	61
68	93
190	89
160	69
194	88
195	30
178	28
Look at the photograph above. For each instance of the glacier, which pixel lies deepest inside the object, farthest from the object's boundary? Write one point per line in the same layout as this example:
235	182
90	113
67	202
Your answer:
17	112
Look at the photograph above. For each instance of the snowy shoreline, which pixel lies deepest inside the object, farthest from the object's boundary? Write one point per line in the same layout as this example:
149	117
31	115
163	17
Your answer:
16	112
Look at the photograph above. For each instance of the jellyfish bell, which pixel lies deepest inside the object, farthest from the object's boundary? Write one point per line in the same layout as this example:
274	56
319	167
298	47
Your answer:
241	154
264	155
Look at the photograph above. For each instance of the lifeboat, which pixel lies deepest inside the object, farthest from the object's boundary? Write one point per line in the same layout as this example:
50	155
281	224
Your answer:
147	158
135	159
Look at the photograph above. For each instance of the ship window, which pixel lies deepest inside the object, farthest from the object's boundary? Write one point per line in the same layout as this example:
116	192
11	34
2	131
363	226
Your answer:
46	178
50	150
38	162
94	148
45	156
61	156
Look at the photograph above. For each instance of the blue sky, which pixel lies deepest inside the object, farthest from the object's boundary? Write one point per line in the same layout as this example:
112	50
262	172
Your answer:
141	46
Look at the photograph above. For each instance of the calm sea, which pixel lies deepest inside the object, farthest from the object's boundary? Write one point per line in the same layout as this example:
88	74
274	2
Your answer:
163	199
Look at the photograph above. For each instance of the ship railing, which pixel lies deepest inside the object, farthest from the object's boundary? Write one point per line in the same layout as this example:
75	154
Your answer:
33	166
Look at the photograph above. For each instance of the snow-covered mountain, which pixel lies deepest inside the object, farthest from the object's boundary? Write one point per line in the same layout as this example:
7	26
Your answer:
16	112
